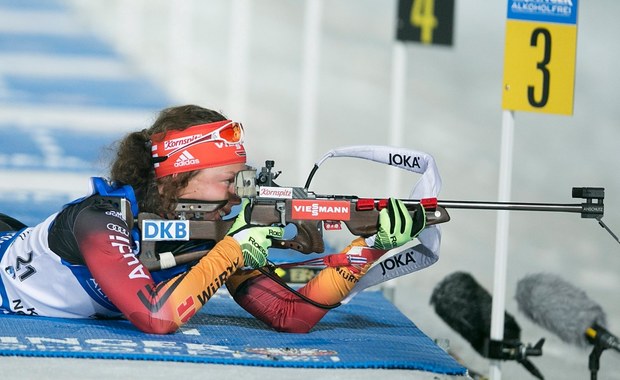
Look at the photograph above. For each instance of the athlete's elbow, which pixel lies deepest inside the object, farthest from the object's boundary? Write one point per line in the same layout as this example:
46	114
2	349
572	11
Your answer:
292	326
293	330
160	328
150	325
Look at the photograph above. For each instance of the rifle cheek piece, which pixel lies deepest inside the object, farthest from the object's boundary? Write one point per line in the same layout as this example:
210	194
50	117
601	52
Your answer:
245	183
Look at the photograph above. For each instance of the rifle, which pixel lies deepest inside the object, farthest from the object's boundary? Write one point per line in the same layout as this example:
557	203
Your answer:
275	205
311	213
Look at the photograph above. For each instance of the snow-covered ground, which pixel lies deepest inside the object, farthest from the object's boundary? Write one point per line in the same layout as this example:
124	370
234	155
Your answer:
452	111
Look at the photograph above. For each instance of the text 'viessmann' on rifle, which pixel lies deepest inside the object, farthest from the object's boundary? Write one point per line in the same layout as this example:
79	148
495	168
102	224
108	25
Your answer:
313	213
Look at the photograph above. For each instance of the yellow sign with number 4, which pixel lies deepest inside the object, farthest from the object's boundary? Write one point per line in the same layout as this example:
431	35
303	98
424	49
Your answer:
429	22
423	17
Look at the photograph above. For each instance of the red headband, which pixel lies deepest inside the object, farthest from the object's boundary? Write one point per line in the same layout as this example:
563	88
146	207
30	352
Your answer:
198	147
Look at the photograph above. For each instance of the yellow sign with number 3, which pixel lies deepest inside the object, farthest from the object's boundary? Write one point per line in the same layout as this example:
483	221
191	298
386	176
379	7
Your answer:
539	67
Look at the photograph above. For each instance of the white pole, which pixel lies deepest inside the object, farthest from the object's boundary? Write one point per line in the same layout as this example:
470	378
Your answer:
309	86
238	59
501	238
399	66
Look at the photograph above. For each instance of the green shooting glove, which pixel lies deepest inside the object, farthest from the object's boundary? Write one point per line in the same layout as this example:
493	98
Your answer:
396	226
254	240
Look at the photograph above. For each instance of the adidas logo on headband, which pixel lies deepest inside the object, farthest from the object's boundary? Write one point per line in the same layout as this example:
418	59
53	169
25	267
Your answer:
185	159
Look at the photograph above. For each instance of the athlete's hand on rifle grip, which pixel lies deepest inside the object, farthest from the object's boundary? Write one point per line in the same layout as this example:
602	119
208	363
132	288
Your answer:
253	240
396	225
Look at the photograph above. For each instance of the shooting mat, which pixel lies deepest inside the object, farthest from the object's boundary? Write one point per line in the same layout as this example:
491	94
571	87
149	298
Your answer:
369	332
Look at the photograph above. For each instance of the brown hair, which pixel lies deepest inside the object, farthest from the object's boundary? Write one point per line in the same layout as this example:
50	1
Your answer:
133	164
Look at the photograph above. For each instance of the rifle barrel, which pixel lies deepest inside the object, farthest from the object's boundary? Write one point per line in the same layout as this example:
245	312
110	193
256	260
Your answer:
589	209
577	208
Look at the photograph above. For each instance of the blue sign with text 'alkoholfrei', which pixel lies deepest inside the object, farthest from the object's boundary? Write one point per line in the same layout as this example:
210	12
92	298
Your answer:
559	11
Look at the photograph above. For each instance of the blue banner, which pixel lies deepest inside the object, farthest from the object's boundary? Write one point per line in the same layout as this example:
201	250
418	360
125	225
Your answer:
559	11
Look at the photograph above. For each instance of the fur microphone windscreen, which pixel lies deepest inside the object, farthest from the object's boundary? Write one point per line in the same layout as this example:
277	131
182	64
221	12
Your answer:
559	307
466	307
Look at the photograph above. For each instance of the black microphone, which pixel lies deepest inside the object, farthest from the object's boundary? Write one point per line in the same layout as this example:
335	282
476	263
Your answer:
466	307
565	310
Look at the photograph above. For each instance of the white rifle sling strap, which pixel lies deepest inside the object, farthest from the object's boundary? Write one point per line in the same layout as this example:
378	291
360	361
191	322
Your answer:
428	185
406	259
